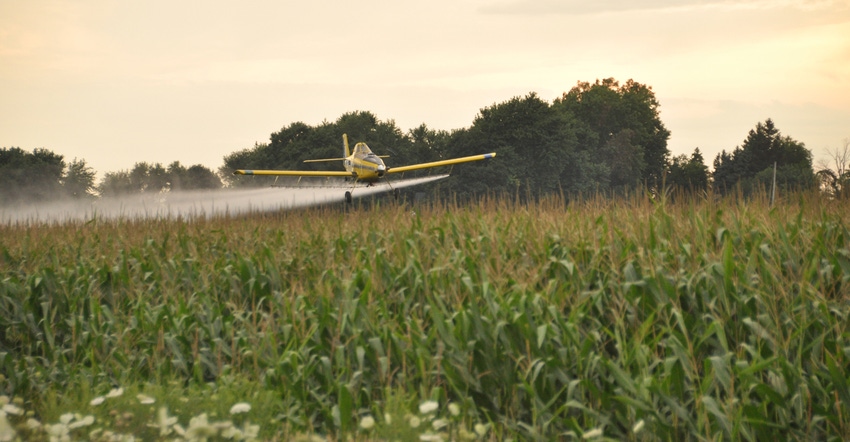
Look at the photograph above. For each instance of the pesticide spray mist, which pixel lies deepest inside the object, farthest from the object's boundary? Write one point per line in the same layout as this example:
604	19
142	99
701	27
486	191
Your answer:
227	202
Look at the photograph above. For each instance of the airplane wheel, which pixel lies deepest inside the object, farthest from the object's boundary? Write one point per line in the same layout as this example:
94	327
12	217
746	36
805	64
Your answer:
348	197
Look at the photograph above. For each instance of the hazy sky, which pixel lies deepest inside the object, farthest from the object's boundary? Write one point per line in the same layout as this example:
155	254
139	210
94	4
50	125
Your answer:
117	82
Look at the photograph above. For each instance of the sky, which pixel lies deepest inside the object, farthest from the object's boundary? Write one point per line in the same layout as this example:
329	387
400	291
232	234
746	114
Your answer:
118	82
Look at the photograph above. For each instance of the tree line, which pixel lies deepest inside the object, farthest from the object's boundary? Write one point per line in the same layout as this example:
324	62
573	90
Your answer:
42	175
602	137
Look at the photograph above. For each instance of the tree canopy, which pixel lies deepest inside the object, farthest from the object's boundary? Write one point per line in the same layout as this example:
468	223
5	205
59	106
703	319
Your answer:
689	174
152	178
750	166
35	175
602	137
598	137
42	175
289	147
619	131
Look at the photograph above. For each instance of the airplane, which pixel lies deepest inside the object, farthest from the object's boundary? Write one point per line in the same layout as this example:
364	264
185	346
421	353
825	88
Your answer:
362	164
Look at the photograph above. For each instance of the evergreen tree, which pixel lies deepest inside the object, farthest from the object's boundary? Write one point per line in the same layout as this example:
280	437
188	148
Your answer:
751	165
690	174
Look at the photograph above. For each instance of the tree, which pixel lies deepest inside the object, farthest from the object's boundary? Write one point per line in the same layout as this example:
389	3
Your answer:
533	142
690	174
143	178
199	177
835	178
428	144
620	130
751	165
35	176
196	177
116	184
78	180
289	147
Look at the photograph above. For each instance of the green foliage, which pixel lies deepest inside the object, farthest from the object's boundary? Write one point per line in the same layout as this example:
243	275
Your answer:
626	319
153	178
196	177
620	130
297	142
533	143
26	176
78	181
750	166
600	137
690	174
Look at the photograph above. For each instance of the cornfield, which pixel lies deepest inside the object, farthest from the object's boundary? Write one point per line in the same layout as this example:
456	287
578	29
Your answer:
630	319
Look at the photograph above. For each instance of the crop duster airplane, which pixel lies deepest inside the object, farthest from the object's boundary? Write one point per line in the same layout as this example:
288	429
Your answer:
362	165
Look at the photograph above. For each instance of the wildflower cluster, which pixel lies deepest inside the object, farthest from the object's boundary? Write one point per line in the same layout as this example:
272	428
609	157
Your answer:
200	428
428	424
16	424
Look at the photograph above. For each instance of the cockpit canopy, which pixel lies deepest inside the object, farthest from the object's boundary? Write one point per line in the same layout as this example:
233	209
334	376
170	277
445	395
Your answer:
362	149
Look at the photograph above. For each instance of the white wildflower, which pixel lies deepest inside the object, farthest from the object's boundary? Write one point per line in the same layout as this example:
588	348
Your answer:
638	426
233	433
242	407
251	431
6	430
97	401
164	422
592	434
428	407
367	422
13	409
84	422
145	399
60	432
200	428
223	425
33	424
115	392
414	422
439	423
388	418
454	409
466	434
481	429
431	437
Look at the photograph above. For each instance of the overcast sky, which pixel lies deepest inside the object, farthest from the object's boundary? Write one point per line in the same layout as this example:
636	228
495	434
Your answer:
117	82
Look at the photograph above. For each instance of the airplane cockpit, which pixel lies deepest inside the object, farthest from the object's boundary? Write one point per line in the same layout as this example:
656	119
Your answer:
361	149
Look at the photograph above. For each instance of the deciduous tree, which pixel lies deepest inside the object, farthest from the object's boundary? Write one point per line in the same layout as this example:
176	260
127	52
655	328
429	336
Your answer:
78	181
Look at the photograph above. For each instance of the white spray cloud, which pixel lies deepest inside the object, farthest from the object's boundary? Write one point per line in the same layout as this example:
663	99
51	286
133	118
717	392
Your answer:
189	205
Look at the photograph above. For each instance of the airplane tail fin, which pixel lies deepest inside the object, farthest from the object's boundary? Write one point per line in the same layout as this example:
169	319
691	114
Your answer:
346	152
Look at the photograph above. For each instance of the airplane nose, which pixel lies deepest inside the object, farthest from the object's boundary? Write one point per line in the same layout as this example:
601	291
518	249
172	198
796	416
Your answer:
381	170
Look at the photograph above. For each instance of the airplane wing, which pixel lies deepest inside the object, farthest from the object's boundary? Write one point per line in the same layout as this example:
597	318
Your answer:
293	172
441	163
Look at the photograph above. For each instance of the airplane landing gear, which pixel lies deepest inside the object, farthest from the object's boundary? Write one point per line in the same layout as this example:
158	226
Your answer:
348	197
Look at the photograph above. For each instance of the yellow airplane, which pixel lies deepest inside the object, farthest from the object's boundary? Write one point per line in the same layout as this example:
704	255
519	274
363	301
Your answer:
362	165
